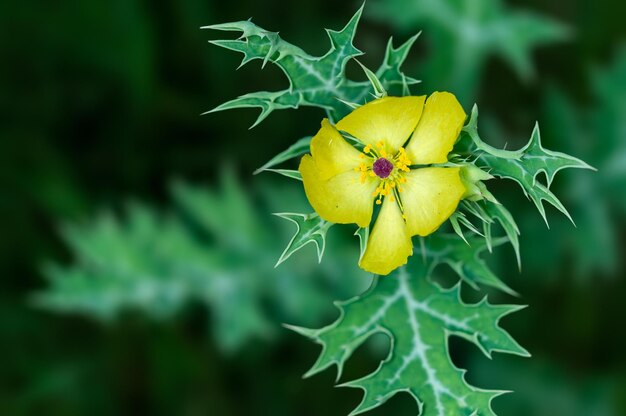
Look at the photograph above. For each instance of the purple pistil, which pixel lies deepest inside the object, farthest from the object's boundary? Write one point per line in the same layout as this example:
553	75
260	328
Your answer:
382	167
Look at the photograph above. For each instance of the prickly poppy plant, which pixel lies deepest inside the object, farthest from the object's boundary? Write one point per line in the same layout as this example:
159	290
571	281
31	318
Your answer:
408	172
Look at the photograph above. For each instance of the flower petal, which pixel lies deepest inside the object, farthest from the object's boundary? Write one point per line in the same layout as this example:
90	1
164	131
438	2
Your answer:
332	153
389	244
429	197
437	130
390	119
342	199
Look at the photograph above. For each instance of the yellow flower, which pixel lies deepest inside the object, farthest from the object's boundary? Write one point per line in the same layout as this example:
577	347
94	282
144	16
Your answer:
401	137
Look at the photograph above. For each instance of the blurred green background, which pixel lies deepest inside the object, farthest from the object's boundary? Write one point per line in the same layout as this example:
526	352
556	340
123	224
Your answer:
129	288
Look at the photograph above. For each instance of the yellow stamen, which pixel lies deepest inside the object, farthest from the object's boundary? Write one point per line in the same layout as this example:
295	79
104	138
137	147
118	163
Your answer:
390	186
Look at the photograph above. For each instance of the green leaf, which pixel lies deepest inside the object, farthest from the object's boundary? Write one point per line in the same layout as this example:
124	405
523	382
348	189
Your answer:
290	173
214	248
379	90
489	212
463	256
313	81
299	148
457	219
524	165
364	234
150	263
499	213
419	317
309	229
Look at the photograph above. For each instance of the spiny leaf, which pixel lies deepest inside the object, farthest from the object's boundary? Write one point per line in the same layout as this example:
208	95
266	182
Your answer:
457	219
464	258
290	173
299	148
524	165
476	208
313	81
499	213
310	229
418	316
390	72
488	212
215	249
149	263
379	90
456	226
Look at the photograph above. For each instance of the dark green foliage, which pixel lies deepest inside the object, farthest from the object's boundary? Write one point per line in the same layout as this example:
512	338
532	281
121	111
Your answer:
463	34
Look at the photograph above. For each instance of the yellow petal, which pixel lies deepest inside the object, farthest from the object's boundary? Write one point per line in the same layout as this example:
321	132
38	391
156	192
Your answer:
342	199
429	197
389	244
332	154
437	130
390	119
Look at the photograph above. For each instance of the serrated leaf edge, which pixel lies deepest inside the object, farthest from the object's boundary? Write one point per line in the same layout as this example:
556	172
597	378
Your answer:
320	250
314	335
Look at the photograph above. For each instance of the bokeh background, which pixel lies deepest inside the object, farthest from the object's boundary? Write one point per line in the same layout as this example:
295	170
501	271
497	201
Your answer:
137	249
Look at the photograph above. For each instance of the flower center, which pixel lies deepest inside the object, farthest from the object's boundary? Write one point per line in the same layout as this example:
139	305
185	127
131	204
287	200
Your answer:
382	167
388	169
